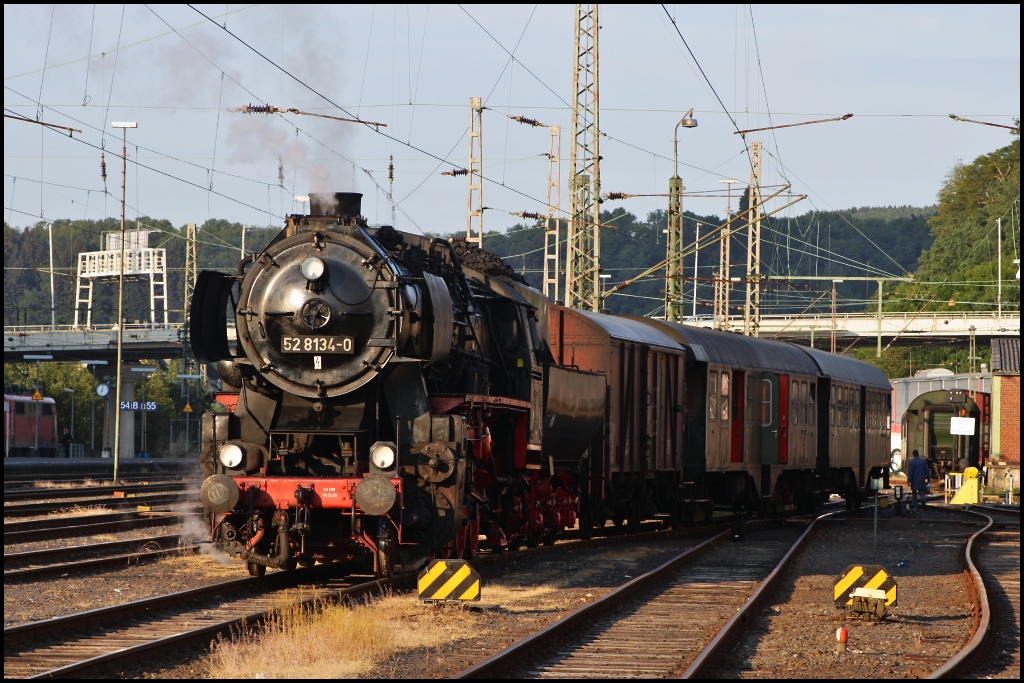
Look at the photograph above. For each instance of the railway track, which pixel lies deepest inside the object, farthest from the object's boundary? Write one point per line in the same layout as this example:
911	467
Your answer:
129	501
994	569
676	605
44	493
91	642
993	558
70	560
42	483
89	525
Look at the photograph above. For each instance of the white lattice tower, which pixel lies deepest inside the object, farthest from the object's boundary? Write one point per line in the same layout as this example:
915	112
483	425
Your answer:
475	214
583	255
141	262
752	303
551	231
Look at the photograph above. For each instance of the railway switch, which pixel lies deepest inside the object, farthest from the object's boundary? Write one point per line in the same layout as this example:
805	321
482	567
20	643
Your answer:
866	590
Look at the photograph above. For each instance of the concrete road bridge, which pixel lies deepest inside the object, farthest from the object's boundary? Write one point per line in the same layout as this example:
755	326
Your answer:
146	341
861	328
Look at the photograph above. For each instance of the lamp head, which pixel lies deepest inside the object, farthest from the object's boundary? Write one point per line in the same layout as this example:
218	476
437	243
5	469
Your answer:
688	120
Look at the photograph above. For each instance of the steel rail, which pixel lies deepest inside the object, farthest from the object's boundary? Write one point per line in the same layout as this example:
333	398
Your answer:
33	509
494	663
15	637
43	493
138	552
86	525
982	632
694	670
15	483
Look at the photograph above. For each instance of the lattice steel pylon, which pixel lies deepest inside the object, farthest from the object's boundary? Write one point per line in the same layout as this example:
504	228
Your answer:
723	281
752	303
551	231
583	255
191	273
673	245
475	206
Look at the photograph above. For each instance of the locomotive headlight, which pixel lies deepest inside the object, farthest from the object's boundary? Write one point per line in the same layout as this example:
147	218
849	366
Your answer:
313	268
382	455
230	456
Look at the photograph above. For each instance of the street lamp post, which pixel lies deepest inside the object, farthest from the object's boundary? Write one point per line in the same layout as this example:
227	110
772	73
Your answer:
71	391
146	371
124	126
674	242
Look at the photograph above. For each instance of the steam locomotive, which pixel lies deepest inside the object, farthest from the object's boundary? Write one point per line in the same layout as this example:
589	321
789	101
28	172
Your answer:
402	397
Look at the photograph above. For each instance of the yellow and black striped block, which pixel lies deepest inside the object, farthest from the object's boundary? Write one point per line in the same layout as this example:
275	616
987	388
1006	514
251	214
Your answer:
863	576
449	580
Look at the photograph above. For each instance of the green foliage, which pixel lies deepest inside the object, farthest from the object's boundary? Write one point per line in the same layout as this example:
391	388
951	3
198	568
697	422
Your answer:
904	361
961	263
960	267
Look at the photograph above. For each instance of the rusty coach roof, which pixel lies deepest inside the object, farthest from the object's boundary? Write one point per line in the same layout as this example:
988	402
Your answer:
736	350
848	369
628	329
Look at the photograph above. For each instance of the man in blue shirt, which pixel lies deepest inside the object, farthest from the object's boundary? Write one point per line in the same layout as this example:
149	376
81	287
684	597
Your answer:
917	476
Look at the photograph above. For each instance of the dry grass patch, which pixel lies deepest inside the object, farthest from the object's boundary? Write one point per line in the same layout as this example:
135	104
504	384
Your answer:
70	484
338	641
78	511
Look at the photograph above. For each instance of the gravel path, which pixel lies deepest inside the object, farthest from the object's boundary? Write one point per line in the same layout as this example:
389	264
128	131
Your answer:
795	636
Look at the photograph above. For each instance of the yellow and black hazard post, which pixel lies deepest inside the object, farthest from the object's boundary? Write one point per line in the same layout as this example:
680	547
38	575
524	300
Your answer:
449	580
865	589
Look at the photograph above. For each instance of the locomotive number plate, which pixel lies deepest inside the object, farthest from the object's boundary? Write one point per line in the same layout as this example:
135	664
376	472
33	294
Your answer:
317	344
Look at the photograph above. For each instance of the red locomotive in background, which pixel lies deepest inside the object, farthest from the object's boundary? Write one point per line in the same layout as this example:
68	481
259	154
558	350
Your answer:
30	427
400	397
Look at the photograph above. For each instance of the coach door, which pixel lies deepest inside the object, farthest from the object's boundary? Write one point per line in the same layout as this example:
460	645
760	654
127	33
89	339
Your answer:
768	411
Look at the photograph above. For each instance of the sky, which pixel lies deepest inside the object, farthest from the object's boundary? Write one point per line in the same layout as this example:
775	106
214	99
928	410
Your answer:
176	70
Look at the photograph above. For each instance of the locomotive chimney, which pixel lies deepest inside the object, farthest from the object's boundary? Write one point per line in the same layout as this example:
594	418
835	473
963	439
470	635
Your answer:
340	204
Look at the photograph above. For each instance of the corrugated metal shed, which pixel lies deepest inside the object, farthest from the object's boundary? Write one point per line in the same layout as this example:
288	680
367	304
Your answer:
909	388
848	369
624	327
1006	356
735	350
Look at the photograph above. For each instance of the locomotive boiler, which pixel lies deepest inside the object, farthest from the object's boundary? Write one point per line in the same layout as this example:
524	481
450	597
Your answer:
396	400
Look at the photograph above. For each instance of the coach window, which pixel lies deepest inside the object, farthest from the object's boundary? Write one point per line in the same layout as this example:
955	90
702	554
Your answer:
47	409
766	403
712	396
750	401
19	408
832	407
848	410
794	404
812	414
724	404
